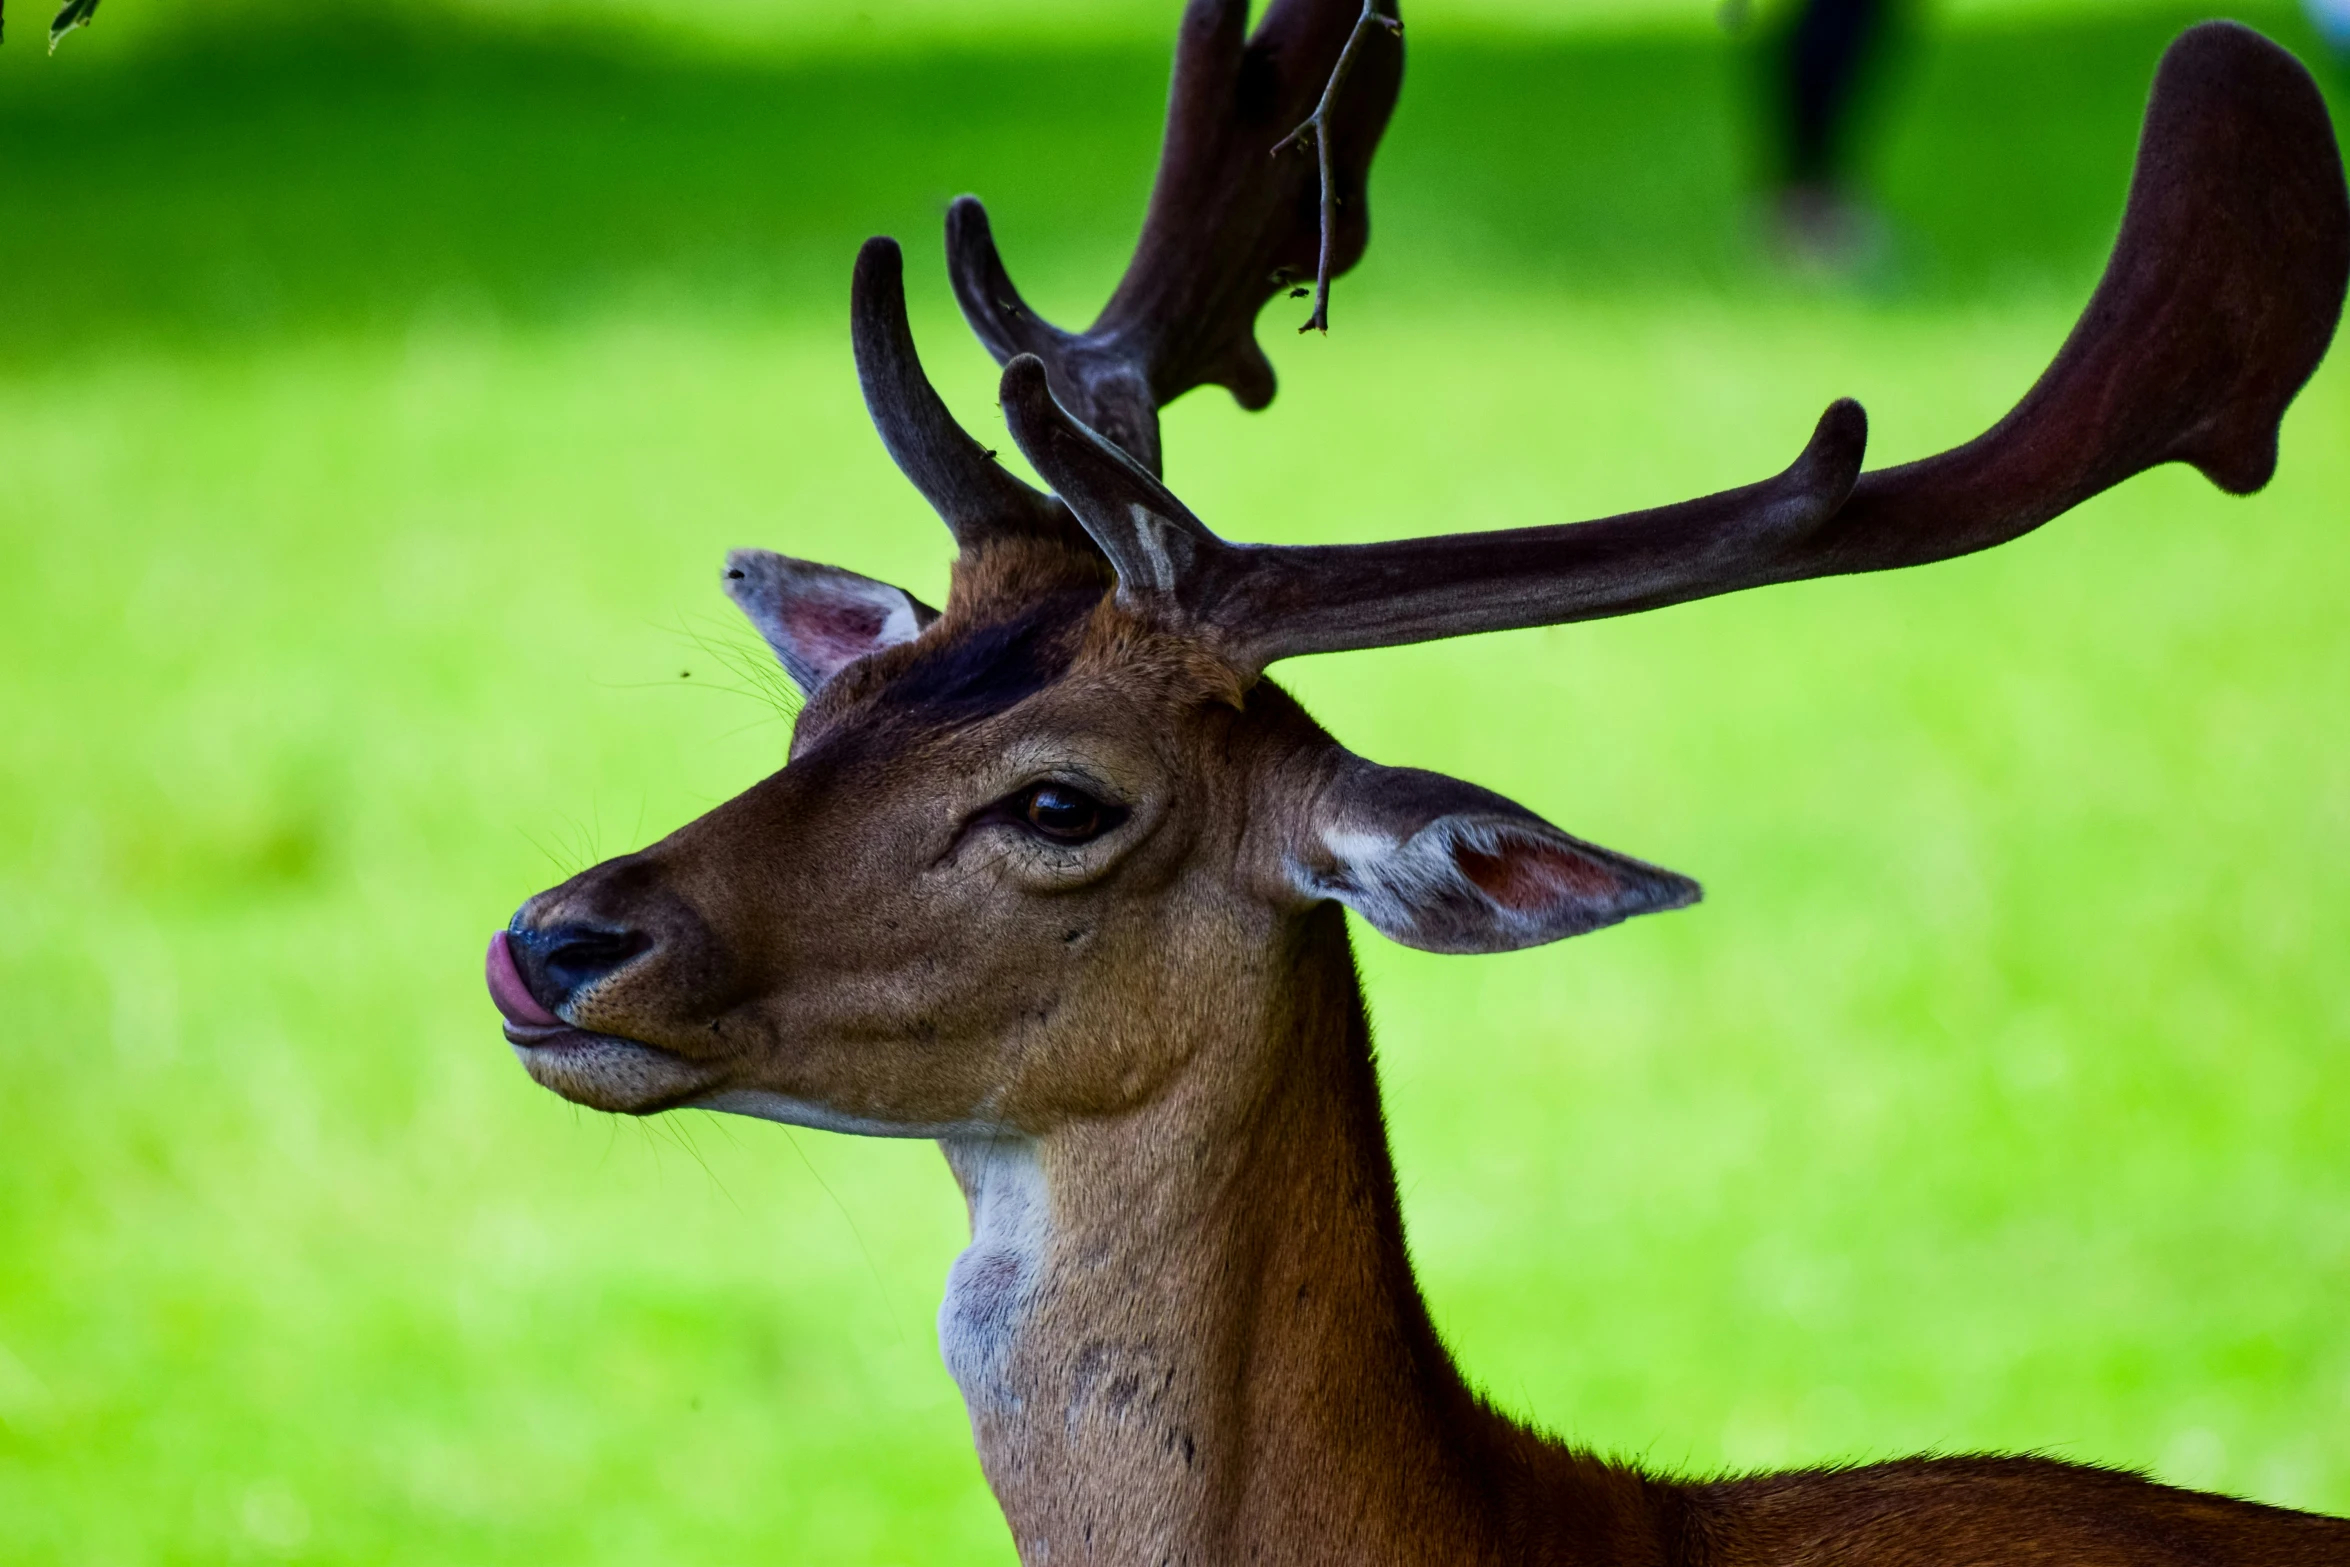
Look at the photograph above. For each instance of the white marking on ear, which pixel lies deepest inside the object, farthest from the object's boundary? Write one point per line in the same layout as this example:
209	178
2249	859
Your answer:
1387	880
819	619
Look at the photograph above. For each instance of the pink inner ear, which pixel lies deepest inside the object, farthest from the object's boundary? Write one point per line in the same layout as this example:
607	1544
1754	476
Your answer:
834	632
1529	875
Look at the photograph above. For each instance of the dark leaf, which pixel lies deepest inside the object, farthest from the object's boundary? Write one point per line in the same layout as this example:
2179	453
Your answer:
72	14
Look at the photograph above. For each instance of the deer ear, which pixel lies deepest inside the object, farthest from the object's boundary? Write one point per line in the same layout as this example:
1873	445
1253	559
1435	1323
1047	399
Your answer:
1445	866
820	619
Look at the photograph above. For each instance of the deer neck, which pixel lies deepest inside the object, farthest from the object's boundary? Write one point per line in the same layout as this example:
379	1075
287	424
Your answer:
1191	1334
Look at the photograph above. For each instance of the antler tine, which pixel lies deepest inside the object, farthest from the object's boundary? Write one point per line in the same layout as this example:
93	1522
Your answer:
976	497
2223	291
1094	376
1229	224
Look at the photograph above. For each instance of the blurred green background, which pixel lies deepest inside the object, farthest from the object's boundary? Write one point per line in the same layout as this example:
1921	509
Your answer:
379	386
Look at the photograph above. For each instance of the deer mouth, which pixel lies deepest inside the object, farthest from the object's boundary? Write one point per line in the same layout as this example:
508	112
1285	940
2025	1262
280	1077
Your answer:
601	1071
607	1072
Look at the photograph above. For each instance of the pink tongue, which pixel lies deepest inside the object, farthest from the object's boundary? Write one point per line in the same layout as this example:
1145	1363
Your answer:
513	998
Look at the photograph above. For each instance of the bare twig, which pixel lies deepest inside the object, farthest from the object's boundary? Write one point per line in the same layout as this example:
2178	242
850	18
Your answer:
1317	125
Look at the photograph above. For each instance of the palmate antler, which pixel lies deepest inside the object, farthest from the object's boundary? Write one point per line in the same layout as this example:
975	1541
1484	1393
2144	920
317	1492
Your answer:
2221	296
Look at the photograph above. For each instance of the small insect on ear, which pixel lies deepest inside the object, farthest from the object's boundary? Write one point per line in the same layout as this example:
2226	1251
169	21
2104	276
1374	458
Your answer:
820	619
1445	866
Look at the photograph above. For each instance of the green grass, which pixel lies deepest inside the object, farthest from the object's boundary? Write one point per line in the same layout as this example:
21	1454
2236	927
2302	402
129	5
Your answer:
375	401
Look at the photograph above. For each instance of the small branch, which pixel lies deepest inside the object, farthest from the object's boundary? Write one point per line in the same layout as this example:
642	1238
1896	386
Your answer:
1317	125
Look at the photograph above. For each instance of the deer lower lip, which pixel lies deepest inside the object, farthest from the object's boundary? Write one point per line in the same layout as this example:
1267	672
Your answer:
565	1039
555	1037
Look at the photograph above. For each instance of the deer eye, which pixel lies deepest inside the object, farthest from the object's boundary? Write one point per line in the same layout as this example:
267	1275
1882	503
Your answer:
1065	814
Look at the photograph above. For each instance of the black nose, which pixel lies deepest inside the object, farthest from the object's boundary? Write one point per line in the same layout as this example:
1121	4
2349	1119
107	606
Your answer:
558	961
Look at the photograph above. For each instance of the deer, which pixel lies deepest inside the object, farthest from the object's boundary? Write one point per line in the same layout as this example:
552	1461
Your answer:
1057	877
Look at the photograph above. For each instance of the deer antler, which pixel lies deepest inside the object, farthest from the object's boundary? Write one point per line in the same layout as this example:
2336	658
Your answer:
2222	293
1229	225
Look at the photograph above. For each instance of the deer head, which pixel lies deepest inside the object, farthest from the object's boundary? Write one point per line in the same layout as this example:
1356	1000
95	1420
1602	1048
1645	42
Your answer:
1071	799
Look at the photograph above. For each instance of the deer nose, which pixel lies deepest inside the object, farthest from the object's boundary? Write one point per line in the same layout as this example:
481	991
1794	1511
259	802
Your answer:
550	964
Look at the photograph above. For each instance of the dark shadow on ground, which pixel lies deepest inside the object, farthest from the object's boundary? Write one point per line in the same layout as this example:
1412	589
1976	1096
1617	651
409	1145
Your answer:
359	170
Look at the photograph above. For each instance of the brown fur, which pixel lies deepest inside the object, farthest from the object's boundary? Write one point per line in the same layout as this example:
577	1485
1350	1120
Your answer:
1215	1350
